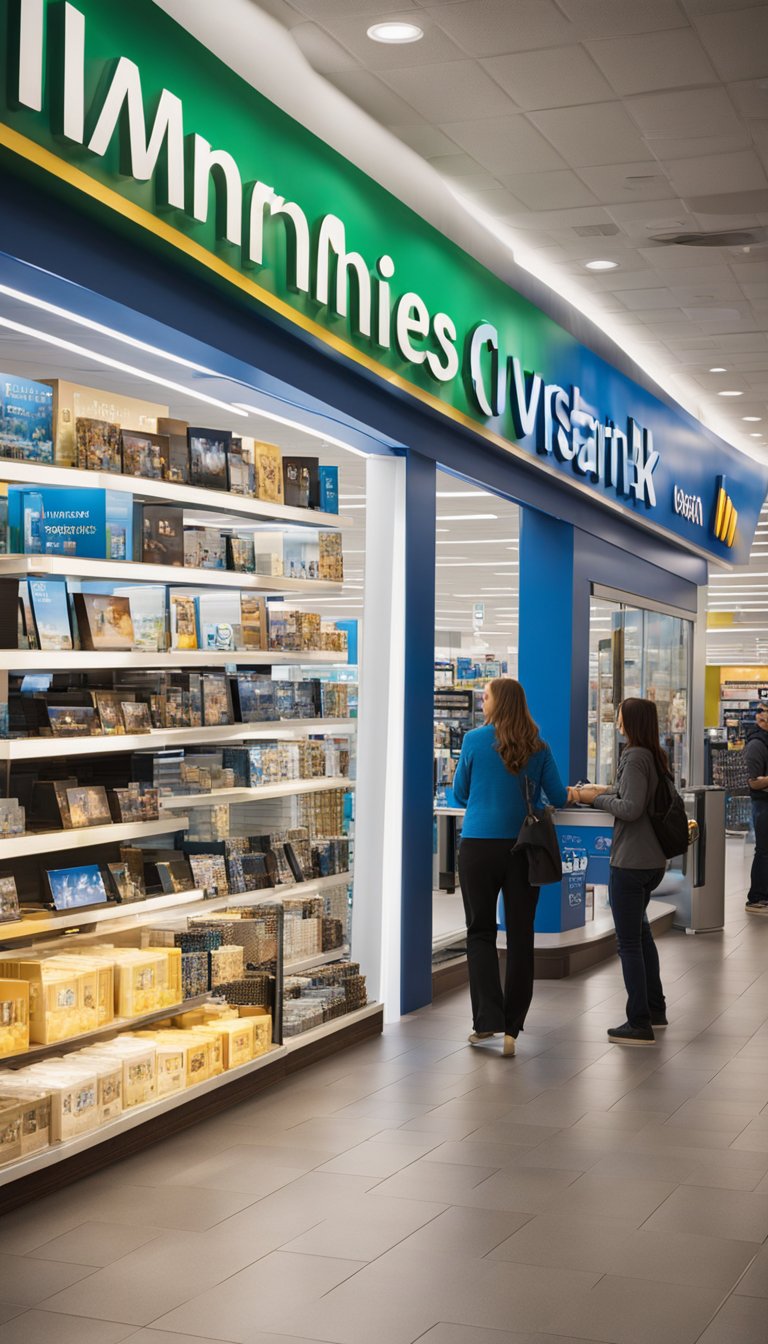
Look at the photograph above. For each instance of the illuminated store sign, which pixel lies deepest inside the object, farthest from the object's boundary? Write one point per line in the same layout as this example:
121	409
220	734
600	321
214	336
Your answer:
123	106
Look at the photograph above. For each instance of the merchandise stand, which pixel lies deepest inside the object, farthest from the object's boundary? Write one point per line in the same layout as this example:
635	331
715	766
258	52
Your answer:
45	931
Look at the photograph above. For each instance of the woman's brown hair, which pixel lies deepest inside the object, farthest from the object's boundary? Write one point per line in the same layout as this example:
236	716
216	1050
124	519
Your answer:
517	736
641	728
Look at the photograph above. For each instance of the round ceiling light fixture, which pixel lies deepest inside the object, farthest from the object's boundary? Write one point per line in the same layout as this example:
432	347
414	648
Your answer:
395	32
601	265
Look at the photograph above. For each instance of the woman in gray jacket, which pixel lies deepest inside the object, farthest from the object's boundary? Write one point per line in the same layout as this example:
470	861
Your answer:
637	867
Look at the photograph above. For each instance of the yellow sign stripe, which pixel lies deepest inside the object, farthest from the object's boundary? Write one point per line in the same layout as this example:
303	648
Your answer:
732	527
721	498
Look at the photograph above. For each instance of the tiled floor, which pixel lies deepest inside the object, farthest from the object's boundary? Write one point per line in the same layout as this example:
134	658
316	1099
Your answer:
416	1189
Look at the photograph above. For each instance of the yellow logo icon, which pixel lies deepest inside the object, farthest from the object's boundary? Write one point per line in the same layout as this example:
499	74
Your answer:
726	516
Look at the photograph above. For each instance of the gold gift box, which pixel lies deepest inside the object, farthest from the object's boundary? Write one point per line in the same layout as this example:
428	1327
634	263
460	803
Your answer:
74	1098
139	1064
171	1063
238	1040
14	1017
10	1130
109	1082
196	1049
99	990
56	1001
35	1115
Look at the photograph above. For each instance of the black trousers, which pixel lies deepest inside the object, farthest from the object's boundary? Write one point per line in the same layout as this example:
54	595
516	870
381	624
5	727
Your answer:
487	867
629	892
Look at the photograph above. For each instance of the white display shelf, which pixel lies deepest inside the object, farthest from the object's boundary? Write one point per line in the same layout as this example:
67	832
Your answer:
328	1028
128	572
300	964
133	914
159	739
35	1053
82	660
130	915
54	842
189	496
287	789
25	1166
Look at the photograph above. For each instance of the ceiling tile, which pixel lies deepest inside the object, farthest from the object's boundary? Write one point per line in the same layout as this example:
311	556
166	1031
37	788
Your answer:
708	295
425	140
374	97
749	273
457	90
497	202
490	27
595	134
737	44
626	182
636	299
616	18
465	171
552	191
653	61
686	113
716	173
554	77
689	148
285	13
507	144
352	31
328	9
322	51
621	280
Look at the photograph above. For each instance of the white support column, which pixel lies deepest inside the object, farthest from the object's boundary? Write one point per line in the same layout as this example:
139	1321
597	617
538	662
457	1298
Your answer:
379	817
698	681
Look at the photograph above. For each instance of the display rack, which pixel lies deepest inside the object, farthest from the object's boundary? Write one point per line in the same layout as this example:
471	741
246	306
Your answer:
46	931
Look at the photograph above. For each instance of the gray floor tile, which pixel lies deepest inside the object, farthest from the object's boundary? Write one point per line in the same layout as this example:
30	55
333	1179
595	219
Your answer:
433	1180
239	1169
445	1333
162	1206
95	1244
264	1297
467	1232
44	1327
729	1170
28	1282
629	1311
741	1215
624	1201
368	1231
372	1159
741	1320
755	1281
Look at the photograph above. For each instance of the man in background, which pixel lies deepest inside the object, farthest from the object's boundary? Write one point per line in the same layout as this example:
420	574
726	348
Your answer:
756	755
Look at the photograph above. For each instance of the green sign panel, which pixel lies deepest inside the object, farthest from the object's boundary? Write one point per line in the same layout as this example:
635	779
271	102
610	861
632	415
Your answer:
126	107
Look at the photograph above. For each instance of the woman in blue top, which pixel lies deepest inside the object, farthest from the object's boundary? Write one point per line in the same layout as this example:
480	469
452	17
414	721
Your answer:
489	783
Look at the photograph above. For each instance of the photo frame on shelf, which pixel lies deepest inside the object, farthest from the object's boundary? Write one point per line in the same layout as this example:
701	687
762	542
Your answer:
88	806
142	455
108	707
104	621
175	875
136	716
50	611
72	720
174	449
208	450
162	535
183	622
268	461
76	888
9	899
132	859
98	444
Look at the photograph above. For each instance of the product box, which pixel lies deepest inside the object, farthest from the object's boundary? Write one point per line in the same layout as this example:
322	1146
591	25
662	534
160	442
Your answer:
55	520
162	534
26	420
72	402
73	1093
138	1060
238	1040
174	450
268	461
98	445
14	1016
35	1114
328	489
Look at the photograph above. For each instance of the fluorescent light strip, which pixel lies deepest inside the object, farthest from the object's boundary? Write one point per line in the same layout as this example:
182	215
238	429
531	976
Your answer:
118	364
464	494
114	335
295	424
464	517
478	541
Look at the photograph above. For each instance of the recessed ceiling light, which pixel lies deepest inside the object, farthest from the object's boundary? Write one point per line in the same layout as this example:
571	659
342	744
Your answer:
730	394
601	265
756	436
718	370
753	419
395	32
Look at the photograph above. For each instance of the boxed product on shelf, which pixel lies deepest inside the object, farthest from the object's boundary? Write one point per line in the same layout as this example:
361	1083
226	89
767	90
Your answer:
227	963
56	520
330	565
253	621
104	621
174	450
138	1061
72	402
12	818
328	489
34	1113
237	1040
170	1062
98	984
293	631
162	534
9	899
208	457
241	469
26	419
108	1072
143	454
332	640
57	1007
73	1092
135	802
145	979
98	445
149	617
204	548
240	553
300	482
50	613
14	1015
268	462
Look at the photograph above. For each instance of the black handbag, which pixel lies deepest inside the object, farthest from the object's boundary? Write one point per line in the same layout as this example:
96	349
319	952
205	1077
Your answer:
538	840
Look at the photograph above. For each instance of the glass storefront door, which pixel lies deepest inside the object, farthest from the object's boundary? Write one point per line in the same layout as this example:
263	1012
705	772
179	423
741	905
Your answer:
638	652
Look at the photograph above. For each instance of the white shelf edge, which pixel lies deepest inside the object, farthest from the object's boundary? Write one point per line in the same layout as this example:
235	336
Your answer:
284	790
190	496
40	927
25	1166
85	660
318	959
328	1028
159	739
51	842
129	572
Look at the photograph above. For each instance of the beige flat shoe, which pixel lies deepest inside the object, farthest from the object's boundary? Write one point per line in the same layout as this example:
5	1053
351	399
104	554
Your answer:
510	1045
477	1037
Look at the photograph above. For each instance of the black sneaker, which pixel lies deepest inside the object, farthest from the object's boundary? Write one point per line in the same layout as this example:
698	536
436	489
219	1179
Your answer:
659	1020
627	1035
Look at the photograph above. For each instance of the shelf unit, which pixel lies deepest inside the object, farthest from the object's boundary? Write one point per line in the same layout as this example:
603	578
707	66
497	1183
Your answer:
159	739
168	492
56	930
133	914
129	572
55	842
119	1024
287	789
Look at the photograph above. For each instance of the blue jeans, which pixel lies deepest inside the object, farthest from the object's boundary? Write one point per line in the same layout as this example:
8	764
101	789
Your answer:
758	890
629	893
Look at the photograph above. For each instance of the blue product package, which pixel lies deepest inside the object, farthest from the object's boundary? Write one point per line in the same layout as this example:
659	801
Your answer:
50	610
328	486
26	419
